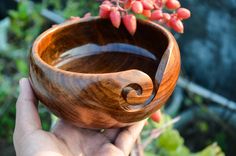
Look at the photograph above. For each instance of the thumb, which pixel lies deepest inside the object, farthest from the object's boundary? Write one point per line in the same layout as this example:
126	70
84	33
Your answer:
27	118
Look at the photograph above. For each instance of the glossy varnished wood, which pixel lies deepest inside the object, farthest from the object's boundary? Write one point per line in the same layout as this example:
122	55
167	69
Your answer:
108	97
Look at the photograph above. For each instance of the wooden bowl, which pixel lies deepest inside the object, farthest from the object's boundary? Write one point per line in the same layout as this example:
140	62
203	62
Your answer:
96	76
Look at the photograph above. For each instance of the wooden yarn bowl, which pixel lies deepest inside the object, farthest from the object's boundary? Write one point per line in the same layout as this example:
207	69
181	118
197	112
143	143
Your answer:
105	99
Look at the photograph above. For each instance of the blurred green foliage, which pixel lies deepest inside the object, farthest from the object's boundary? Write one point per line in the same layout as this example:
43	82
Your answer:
72	7
170	143
26	23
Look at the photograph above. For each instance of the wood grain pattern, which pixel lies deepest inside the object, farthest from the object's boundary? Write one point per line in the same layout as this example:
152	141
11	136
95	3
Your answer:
109	98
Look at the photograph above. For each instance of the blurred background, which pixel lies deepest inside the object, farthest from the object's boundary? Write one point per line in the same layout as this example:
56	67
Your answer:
204	96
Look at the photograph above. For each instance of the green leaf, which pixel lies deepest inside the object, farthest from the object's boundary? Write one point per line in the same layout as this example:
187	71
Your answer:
170	140
4	25
24	8
13	14
211	150
148	153
180	151
22	66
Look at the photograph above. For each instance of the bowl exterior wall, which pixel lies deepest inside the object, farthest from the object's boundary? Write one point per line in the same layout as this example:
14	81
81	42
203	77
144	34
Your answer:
95	101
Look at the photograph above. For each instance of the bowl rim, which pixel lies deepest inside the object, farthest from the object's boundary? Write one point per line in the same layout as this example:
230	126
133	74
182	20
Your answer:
51	30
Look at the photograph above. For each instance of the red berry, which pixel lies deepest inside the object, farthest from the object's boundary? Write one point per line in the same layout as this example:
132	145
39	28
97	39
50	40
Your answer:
107	2
137	7
147	4
156	116
177	25
127	5
172	4
166	17
115	18
104	11
163	2
130	23
103	14
147	13
183	13
156	15
105	7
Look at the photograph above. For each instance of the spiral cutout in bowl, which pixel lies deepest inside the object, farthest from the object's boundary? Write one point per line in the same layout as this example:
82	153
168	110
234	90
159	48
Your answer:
132	92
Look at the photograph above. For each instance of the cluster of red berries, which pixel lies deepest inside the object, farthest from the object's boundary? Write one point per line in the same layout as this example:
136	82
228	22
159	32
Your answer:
125	10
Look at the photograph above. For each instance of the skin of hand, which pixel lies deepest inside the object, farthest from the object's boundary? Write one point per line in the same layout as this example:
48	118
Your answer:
65	139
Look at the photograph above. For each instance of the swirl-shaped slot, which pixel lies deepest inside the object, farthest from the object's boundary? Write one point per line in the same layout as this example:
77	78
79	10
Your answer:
137	97
131	92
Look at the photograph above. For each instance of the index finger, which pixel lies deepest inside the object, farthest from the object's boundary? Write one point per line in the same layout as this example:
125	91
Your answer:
126	139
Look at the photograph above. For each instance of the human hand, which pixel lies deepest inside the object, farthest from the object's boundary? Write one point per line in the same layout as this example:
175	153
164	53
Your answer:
65	139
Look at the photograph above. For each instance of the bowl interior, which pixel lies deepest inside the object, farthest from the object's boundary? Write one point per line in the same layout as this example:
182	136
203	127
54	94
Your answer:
95	46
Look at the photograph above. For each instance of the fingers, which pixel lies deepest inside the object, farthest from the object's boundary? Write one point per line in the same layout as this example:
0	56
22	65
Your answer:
128	136
27	118
111	134
108	150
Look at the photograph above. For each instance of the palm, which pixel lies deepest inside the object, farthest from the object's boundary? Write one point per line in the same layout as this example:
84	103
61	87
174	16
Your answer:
85	141
65	139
